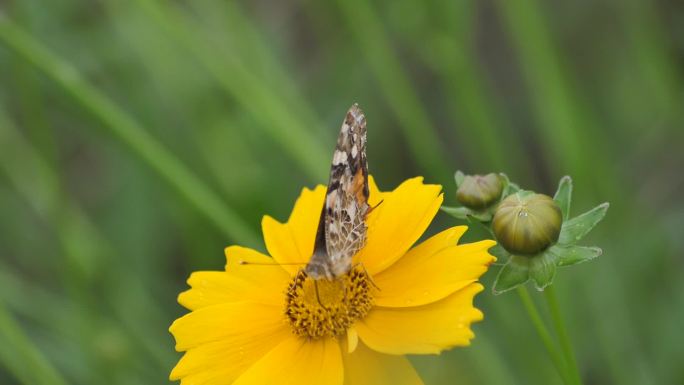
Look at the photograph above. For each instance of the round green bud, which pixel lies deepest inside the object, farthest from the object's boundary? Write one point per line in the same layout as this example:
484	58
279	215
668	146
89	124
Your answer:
526	223
479	191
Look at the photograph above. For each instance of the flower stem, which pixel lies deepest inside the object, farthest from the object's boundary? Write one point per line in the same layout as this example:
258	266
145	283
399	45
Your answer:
544	334
561	331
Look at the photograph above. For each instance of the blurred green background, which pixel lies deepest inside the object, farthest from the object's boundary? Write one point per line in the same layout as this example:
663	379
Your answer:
138	138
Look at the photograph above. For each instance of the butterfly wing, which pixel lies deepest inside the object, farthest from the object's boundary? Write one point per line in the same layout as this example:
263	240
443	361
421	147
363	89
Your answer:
342	227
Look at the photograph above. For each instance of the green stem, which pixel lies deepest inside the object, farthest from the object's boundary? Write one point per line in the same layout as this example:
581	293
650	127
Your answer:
122	125
562	332
544	334
23	360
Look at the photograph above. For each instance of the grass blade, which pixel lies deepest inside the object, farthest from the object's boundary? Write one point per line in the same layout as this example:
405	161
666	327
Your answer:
276	118
130	132
25	362
420	135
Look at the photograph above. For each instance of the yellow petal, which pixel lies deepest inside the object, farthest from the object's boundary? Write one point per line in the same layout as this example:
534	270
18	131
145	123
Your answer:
439	241
366	367
426	329
293	242
398	222
236	321
213	376
240	282
433	270
297	361
352	340
223	361
375	195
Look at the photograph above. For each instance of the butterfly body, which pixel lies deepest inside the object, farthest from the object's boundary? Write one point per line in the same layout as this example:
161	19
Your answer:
342	226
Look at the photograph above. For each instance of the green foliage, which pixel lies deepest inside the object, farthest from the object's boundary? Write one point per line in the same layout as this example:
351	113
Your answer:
576	228
140	137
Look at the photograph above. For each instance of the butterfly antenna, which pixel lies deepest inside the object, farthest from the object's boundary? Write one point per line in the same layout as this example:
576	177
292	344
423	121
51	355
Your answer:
374	207
243	262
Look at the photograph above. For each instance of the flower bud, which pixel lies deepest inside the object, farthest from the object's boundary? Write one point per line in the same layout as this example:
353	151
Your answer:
526	223
479	191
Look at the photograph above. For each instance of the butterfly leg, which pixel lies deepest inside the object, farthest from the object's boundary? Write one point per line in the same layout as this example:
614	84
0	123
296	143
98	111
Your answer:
344	288
366	271
318	297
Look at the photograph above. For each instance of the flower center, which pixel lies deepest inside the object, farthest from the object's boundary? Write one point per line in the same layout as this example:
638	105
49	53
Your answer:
323	308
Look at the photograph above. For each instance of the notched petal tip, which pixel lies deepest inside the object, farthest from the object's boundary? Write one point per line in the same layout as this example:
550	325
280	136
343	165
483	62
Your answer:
455	233
182	297
477	288
419	180
174	376
173	330
306	196
268	220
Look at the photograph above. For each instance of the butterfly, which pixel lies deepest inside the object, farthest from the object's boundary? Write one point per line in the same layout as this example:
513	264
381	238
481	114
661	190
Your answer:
342	225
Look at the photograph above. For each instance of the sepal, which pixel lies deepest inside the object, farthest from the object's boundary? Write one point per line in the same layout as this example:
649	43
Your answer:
573	255
514	273
543	270
575	229
467	214
459	176
508	186
563	196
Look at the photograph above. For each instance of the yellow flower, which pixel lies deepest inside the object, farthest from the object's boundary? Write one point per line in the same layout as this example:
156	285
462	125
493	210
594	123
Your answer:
255	324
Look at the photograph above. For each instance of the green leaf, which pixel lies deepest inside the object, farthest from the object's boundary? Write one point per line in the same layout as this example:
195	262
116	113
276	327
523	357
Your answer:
482	216
564	196
577	227
458	177
467	214
499	252
569	256
515	273
543	269
457	212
